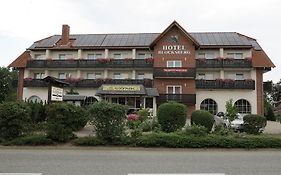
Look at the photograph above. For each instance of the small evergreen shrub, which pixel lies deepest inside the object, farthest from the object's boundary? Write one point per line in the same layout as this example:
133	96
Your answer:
14	119
171	116
254	123
63	119
203	118
143	114
33	140
109	120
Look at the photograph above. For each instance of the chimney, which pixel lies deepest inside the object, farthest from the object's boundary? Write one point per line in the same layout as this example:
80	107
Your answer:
65	34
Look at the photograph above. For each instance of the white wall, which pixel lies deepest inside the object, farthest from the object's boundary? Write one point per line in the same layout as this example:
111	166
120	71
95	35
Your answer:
221	96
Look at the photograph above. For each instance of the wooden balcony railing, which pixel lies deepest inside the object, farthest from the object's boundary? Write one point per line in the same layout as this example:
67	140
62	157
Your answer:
225	84
180	98
223	63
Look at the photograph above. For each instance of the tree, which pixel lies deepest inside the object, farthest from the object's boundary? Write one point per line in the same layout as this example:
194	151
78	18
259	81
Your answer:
231	110
8	84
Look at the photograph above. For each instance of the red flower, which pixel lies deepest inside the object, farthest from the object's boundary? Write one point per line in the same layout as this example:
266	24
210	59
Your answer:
132	117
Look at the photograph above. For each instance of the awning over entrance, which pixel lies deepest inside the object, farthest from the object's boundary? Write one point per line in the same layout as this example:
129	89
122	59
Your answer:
138	90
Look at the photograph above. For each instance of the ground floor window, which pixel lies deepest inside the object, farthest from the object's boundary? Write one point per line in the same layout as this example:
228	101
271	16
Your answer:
90	100
244	107
149	103
34	99
209	105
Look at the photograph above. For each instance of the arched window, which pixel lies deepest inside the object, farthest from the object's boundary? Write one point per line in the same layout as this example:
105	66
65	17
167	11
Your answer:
209	105
34	99
244	107
90	100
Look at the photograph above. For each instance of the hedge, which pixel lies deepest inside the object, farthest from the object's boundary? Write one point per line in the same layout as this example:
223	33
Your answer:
30	140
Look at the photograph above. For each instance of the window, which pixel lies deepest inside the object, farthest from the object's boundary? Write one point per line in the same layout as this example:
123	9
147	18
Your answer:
209	105
174	89
140	76
96	75
243	106
206	55
239	77
174	63
64	75
144	55
117	76
235	55
39	75
209	76
34	99
94	56
201	76
117	56
149	102
64	56
39	56
90	100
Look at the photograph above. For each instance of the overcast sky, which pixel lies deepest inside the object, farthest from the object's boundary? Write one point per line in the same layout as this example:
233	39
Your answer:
24	21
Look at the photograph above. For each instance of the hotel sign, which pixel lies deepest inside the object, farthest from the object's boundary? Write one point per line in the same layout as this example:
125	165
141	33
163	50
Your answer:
120	88
175	70
56	94
174	49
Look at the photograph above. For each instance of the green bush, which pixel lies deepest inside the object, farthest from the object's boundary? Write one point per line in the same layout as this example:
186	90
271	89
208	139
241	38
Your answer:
88	141
196	130
203	118
14	119
143	114
173	140
254	123
270	114
30	140
38	113
278	118
108	120
63	119
171	116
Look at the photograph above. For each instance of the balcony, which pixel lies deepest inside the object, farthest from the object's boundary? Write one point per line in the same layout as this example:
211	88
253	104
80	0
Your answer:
98	63
225	84
167	72
223	63
180	98
89	83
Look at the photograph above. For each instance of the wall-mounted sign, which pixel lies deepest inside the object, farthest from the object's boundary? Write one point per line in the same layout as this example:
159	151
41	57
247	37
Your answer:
120	88
56	94
174	49
175	70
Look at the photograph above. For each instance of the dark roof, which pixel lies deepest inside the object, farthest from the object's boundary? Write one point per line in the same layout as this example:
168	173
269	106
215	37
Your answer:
74	98
207	39
152	92
54	80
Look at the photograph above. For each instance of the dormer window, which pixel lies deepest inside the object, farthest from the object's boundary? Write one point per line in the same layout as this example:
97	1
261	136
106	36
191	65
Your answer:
235	55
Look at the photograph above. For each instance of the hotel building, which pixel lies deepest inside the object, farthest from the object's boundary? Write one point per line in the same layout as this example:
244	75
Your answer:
143	70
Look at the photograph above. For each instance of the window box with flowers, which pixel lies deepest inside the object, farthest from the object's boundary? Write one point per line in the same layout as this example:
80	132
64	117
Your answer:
219	58
149	60
249	59
202	60
28	79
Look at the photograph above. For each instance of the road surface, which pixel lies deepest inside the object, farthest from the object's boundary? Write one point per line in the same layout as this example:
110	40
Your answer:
121	161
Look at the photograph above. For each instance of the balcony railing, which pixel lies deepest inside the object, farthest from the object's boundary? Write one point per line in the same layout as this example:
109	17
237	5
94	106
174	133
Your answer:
225	84
223	63
89	83
99	63
180	98
166	72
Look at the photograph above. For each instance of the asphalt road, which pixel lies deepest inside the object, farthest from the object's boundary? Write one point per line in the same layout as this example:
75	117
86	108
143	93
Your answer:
95	161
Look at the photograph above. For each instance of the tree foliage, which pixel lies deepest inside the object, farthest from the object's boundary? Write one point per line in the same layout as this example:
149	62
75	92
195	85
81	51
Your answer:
231	110
8	84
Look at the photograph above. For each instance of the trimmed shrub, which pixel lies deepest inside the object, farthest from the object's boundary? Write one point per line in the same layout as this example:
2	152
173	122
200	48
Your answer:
30	140
171	116
196	130
88	141
254	123
108	120
14	119
63	119
203	118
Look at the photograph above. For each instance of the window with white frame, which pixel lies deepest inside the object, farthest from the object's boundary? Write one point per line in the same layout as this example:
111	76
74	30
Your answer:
201	76
209	76
174	89
117	56
39	56
93	56
95	75
239	77
144	55
117	75
206	55
39	75
235	55
140	76
65	56
64	75
243	106
209	105
174	63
